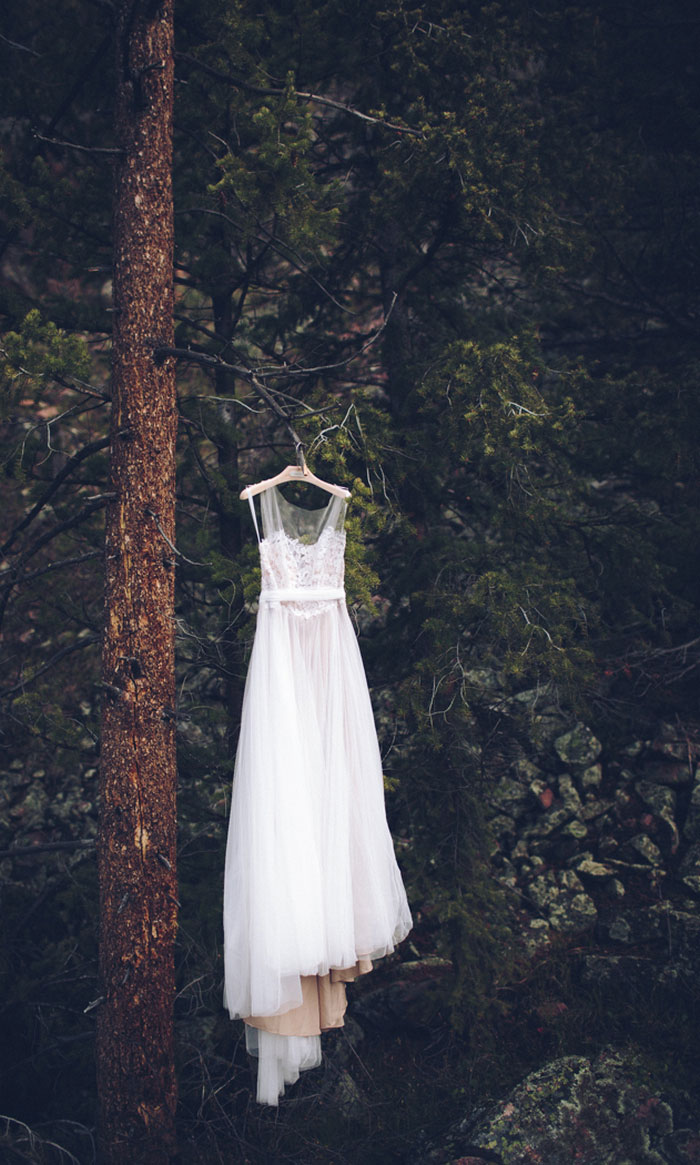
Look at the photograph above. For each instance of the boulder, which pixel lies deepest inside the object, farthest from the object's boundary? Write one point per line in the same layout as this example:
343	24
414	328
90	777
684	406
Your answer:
595	808
587	1110
401	999
578	748
543	891
647	849
592	777
662	801
587	866
669	773
484	678
544	728
549	822
537	935
525	770
690	868
511	797
575	829
569	794
615	888
620	930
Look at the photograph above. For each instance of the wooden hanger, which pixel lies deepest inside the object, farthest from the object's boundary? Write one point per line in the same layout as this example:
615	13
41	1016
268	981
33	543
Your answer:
299	472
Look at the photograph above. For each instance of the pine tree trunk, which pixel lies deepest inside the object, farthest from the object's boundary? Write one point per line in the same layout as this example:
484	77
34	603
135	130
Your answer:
138	890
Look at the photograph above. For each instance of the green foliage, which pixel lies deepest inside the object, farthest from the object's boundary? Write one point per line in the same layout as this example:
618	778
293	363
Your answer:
270	178
37	353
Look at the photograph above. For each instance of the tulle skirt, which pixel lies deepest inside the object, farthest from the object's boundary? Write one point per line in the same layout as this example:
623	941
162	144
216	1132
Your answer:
311	880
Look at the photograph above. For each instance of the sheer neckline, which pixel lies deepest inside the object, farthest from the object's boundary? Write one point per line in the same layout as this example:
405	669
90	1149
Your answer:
303	509
297	522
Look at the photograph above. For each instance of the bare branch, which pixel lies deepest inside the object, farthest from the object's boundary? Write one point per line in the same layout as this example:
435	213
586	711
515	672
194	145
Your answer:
353	355
286	252
22	47
10	582
24	683
172	545
55	484
228	400
204	358
239	83
284	371
91	507
80	386
216	362
266	393
74	146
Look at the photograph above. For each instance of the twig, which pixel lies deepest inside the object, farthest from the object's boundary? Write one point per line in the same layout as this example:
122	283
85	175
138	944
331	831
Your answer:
172	546
227	400
354	355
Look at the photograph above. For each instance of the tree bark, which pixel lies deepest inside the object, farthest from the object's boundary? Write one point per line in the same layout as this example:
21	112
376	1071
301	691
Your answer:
136	851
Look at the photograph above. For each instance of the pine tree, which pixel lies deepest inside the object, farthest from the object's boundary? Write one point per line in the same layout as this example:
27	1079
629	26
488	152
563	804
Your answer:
137	850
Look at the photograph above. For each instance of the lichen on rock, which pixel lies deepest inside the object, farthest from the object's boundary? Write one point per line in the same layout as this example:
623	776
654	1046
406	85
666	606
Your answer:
592	1111
578	747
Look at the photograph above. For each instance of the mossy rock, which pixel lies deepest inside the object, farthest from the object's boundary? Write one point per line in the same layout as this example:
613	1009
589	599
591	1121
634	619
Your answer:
578	748
577	1109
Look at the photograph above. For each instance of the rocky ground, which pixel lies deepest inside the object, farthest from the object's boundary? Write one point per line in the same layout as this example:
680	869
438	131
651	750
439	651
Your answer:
597	850
588	845
600	856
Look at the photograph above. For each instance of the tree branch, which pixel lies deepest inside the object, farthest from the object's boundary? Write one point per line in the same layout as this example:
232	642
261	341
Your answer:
56	483
24	851
79	83
23	684
239	83
215	362
22	47
10	582
93	505
209	361
284	251
74	146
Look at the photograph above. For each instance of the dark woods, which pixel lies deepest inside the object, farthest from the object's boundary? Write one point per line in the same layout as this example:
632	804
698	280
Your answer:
455	254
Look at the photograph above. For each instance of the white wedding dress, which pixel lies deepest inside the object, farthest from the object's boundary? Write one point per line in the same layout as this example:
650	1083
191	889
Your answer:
312	889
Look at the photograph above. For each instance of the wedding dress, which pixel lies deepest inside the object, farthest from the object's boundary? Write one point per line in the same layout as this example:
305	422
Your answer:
312	890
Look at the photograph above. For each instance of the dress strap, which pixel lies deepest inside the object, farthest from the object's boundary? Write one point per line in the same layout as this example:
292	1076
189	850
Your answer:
255	520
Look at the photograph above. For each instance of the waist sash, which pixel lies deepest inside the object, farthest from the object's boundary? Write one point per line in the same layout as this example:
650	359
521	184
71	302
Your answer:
301	594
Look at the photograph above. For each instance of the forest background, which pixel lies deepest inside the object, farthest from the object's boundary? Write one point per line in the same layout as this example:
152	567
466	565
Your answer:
457	251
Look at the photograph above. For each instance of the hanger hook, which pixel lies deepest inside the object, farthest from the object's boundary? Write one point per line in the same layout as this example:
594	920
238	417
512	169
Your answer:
301	461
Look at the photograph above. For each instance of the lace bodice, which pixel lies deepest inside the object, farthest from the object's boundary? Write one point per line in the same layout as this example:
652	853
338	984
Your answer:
288	563
302	550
